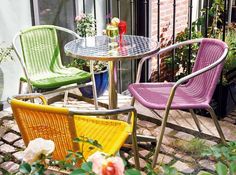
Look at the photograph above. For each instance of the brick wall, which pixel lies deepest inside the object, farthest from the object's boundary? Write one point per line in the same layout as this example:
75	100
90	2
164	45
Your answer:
166	26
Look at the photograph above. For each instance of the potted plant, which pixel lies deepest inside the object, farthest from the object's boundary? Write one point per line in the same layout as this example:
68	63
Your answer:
100	74
5	54
85	27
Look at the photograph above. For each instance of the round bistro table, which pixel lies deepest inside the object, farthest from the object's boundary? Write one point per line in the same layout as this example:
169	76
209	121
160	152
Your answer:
98	49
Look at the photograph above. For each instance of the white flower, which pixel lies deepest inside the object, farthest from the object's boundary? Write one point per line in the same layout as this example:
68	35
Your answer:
36	148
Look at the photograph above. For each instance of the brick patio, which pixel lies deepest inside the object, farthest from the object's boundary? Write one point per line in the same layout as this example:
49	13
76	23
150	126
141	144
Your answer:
173	152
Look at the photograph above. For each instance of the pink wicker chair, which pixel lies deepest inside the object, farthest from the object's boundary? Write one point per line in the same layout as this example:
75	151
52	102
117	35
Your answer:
197	91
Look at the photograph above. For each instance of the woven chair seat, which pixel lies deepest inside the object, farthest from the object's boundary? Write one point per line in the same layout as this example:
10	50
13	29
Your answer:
155	96
50	80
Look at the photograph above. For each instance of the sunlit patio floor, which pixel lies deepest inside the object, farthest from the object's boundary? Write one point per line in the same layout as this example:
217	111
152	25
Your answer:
177	148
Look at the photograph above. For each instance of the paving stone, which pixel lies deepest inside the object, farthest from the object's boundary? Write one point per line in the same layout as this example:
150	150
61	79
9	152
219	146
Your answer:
141	161
3	130
169	141
15	128
5	114
183	167
144	152
5	148
184	136
210	142
19	155
163	159
168	131
210	165
144	131
167	149
10	166
20	144
146	124
184	157
8	123
10	137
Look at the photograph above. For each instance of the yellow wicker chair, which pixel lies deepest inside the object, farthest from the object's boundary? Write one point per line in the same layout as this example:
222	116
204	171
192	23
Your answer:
63	125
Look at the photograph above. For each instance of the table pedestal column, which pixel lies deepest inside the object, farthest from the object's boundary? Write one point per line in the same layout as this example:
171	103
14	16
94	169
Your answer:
112	85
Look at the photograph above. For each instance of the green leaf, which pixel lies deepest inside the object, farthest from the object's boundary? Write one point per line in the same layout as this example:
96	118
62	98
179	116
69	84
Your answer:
77	140
132	172
221	168
169	170
205	173
78	172
79	155
87	166
25	168
232	167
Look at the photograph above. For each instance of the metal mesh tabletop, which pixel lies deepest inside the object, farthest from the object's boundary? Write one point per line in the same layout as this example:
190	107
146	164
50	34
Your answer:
97	48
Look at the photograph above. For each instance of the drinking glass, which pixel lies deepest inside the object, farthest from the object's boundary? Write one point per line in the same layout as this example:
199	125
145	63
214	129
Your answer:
122	30
112	32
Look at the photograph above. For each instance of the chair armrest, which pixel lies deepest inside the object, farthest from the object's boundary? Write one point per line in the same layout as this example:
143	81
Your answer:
29	96
108	112
164	50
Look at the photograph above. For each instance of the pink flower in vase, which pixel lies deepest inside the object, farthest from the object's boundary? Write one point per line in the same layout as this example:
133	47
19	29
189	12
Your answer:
79	17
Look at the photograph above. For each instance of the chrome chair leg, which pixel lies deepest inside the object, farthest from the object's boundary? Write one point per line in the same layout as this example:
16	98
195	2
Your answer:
135	144
65	98
214	118
94	86
132	104
160	138
163	126
195	120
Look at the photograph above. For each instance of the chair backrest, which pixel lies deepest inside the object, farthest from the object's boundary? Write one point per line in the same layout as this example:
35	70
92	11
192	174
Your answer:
46	122
40	49
209	52
62	126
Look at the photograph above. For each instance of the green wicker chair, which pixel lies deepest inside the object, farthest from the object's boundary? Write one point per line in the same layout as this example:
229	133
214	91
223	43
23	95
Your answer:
41	61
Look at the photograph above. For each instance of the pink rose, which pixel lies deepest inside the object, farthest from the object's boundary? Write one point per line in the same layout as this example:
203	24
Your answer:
106	166
114	166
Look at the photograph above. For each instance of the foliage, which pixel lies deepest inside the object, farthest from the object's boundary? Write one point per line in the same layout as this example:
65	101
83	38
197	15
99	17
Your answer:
225	155
215	17
85	65
85	25
194	147
182	54
214	30
164	170
230	39
5	52
72	158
